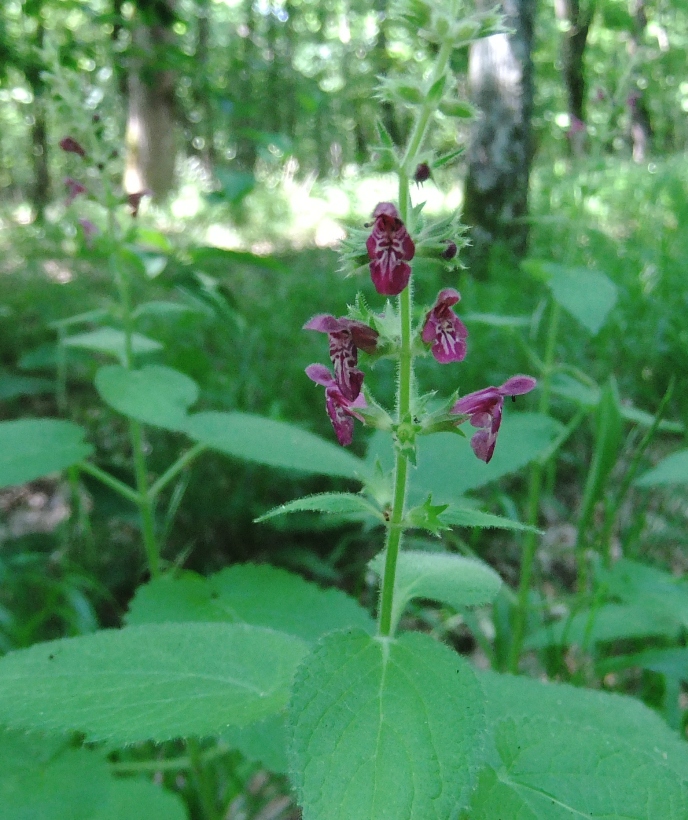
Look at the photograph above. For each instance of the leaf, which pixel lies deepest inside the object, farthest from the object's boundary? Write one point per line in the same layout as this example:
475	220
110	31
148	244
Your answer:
161	309
550	770
427	516
611	622
274	443
31	448
562	752
348	504
154	395
672	662
450	579
110	340
133	799
12	386
262	742
509	696
467	517
255	594
497	320
588	295
448	468
649	588
671	470
157	682
384	729
38	781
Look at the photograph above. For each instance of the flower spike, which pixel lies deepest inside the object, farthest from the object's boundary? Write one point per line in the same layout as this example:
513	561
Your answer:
340	410
390	248
484	408
444	330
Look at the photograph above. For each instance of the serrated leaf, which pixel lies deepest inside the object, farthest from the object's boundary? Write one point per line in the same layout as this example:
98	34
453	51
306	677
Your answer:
448	468
671	470
40	781
384	729
456	516
31	448
111	341
450	579
275	443
255	594
336	503
133	799
153	682
509	696
552	771
611	622
156	395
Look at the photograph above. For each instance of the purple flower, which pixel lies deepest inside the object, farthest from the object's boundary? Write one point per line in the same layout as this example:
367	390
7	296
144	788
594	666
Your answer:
444	330
89	229
346	336
390	248
484	407
71	146
74	188
340	410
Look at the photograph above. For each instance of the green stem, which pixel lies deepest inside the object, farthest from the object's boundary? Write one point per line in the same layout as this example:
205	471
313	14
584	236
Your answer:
183	461
145	502
204	785
110	481
534	489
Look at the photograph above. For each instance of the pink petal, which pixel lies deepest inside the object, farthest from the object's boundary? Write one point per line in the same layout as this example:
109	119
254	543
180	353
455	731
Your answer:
517	386
320	374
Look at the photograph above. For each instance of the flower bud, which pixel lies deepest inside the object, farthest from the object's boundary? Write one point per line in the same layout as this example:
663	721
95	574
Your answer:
450	251
422	173
71	146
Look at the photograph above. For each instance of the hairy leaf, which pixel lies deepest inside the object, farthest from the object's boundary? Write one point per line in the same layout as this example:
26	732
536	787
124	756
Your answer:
275	443
347	504
384	729
256	594
155	682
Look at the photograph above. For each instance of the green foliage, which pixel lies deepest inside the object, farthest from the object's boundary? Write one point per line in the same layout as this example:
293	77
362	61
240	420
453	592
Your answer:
344	504
31	448
671	470
155	395
588	295
110	341
41	778
274	443
259	595
451	579
657	591
447	467
157	681
384	729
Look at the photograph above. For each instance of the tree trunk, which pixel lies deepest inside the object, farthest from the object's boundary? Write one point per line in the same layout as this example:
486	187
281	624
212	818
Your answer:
151	139
501	83
576	19
40	189
641	126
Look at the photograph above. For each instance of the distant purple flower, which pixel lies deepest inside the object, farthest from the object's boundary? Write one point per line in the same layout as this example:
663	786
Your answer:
390	248
484	408
340	410
74	188
444	330
346	336
89	229
71	146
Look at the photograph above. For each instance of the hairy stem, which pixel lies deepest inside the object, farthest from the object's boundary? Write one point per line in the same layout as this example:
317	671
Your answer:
395	527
